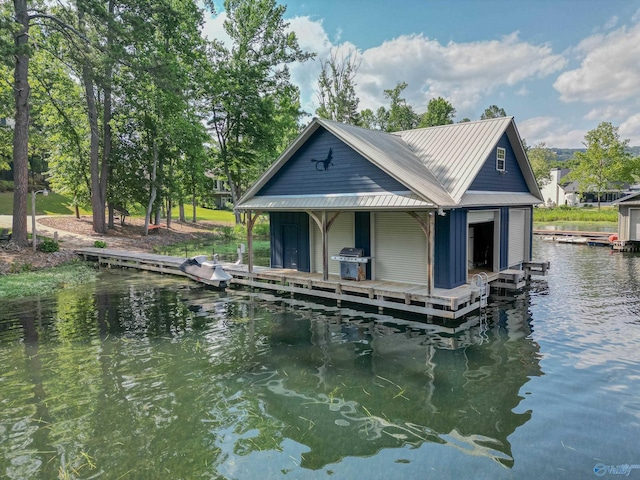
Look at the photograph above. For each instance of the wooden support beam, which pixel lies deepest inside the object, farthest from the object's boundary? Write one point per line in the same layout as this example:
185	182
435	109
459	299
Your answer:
325	225
250	223
428	228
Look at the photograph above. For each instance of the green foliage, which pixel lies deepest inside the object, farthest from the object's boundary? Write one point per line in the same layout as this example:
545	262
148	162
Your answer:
605	164
249	87
569	214
439	112
46	281
48	246
6	186
542	159
100	244
493	112
336	89
400	115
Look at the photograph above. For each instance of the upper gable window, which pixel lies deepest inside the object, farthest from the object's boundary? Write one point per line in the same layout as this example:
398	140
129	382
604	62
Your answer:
501	156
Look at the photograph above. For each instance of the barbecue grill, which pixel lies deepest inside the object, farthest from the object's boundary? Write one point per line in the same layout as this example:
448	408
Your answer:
352	263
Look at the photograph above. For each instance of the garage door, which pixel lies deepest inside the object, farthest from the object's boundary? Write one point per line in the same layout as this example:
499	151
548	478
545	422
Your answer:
517	233
400	249
634	224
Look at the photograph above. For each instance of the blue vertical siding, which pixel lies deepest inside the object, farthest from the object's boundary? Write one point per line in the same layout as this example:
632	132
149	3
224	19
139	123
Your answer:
491	180
450	250
347	171
504	238
363	236
301	220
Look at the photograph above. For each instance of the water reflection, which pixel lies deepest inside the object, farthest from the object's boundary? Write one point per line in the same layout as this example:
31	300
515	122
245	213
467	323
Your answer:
143	377
353	387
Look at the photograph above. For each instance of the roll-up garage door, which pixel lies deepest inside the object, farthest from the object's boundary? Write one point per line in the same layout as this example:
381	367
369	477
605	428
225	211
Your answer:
517	233
634	224
341	234
400	249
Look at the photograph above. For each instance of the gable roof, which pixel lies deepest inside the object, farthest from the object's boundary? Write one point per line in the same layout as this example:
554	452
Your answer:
455	153
437	164
631	199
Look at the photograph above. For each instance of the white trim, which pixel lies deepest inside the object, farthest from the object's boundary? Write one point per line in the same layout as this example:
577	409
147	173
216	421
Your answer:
501	156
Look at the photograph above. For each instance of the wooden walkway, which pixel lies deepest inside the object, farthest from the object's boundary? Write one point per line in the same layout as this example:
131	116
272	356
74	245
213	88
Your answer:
444	303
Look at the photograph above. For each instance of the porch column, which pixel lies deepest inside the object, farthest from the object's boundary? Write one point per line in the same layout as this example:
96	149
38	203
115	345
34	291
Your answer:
250	223
428	228
324	225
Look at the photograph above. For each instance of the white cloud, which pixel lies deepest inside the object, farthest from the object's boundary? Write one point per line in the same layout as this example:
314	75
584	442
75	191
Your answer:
464	73
609	72
552	131
605	113
630	129
611	23
213	29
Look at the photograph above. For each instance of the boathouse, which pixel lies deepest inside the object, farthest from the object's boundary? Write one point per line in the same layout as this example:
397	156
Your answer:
628	223
426	208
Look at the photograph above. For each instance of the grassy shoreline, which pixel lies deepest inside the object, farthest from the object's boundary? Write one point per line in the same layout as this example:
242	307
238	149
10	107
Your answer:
47	281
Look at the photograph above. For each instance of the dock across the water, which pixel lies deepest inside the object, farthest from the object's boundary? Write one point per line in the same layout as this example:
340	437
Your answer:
597	239
445	303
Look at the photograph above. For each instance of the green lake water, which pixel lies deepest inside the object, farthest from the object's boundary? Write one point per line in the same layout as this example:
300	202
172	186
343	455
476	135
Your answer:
144	376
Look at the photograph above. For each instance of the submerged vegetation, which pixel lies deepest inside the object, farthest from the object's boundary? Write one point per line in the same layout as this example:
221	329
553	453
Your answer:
46	281
575	214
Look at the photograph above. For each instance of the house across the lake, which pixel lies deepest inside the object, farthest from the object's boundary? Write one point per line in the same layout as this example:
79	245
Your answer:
418	212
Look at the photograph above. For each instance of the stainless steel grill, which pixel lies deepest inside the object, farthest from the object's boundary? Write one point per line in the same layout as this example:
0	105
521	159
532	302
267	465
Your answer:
353	263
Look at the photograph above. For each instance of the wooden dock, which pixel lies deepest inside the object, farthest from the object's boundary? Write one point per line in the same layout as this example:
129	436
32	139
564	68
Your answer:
597	239
444	303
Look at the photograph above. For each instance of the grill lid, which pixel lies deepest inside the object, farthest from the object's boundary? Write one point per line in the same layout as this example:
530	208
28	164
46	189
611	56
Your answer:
352	252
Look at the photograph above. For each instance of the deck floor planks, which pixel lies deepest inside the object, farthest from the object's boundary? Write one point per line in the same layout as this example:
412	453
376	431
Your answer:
453	303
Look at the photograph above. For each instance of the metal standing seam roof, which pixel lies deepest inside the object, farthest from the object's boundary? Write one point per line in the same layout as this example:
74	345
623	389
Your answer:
438	164
631	199
455	153
368	202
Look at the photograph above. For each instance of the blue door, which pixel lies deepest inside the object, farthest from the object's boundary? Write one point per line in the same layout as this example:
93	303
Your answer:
290	246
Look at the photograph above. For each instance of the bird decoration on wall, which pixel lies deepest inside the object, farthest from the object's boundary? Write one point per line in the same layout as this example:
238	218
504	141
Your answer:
326	162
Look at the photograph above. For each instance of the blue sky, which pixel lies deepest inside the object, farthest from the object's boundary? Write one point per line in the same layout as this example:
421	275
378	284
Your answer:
560	67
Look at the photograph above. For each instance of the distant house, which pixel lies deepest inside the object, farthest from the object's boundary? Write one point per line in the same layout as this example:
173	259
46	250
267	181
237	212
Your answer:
427	206
220	192
560	190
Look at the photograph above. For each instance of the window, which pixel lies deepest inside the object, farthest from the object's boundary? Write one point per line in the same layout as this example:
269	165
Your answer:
501	156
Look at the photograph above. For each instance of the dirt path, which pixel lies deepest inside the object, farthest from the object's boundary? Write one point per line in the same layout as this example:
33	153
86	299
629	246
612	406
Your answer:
76	233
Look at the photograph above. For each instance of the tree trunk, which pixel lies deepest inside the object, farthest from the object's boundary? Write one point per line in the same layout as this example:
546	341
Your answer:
106	120
21	129
182	214
97	199
169	208
152	197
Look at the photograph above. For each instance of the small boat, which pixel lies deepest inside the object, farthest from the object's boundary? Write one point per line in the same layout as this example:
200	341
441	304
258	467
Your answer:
208	272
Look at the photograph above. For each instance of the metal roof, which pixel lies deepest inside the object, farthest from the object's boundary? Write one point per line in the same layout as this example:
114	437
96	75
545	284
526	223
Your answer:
436	164
507	199
370	201
631	199
455	153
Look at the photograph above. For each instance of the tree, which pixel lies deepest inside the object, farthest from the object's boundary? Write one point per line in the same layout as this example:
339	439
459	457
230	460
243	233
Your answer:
21	90
400	115
246	87
336	89
541	159
439	112
605	163
493	112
